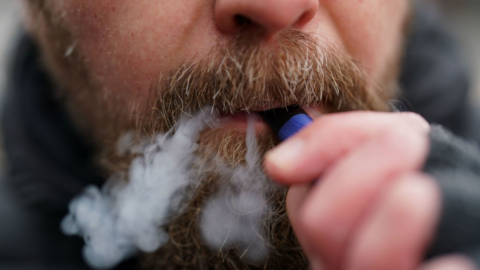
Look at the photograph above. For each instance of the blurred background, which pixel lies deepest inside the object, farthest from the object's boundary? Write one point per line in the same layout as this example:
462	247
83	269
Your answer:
10	16
462	18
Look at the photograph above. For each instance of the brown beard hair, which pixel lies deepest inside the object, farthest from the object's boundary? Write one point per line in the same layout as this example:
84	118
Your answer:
242	75
246	75
186	248
225	78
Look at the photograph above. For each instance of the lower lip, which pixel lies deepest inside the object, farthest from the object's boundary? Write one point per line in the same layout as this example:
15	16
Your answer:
240	121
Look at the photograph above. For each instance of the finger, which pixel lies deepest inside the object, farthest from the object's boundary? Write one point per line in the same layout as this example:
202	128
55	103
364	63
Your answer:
451	262
304	156
336	205
295	199
394	236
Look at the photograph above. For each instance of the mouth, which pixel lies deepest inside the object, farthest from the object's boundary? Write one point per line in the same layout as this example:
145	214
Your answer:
239	119
314	112
256	109
256	112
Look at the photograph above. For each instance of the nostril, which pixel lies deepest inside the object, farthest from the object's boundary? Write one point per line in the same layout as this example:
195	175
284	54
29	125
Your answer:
268	16
242	21
304	18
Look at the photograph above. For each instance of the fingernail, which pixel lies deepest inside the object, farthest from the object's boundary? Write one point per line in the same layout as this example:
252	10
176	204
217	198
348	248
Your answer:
286	155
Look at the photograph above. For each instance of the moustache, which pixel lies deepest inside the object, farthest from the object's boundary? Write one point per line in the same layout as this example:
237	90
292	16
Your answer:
247	74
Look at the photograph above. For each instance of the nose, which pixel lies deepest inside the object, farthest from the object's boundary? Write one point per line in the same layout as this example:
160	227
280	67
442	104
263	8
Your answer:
271	15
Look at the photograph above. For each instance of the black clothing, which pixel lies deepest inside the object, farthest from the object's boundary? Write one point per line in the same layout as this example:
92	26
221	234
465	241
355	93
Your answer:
455	165
49	163
434	80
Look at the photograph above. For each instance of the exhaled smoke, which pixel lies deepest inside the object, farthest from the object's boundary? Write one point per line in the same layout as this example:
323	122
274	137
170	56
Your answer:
233	217
124	216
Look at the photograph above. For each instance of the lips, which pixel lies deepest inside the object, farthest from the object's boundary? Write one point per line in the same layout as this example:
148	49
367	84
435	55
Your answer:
240	116
239	119
258	109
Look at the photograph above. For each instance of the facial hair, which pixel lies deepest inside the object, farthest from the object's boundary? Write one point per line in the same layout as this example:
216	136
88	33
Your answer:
244	75
248	75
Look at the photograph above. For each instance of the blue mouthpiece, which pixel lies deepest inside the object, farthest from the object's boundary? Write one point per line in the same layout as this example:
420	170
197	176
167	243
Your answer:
285	122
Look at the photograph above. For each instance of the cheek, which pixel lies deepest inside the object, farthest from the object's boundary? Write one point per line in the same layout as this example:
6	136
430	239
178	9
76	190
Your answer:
371	30
127	44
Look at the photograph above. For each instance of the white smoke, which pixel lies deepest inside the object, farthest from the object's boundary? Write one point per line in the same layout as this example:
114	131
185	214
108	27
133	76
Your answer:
125	217
232	217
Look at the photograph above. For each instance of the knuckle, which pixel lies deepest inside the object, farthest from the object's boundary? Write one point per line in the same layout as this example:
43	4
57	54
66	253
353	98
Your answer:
409	199
413	119
400	205
400	212
407	147
398	137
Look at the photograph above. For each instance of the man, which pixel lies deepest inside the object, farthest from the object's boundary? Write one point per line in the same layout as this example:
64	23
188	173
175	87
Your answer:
123	66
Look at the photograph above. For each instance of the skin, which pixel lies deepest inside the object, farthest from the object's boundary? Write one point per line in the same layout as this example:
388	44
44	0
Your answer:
372	208
128	44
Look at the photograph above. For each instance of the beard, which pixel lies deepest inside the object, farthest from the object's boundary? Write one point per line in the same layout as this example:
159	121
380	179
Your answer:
243	76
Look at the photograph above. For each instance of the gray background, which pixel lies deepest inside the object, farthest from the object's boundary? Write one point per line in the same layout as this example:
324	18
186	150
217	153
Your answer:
10	15
462	18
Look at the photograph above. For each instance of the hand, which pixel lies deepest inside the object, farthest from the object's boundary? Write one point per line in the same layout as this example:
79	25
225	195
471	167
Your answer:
371	207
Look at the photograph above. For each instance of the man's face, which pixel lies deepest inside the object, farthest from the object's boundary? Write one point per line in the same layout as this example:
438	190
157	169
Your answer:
125	47
139	64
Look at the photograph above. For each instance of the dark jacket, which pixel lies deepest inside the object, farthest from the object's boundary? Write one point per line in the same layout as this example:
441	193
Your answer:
49	163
